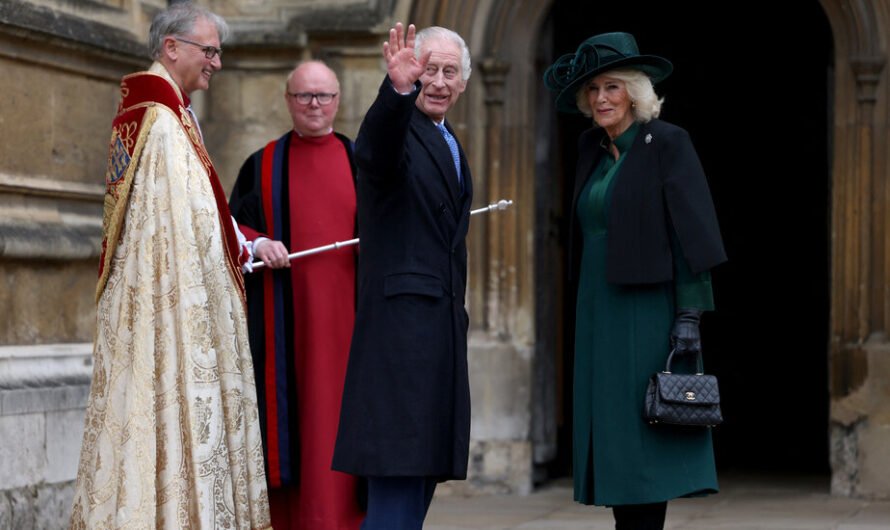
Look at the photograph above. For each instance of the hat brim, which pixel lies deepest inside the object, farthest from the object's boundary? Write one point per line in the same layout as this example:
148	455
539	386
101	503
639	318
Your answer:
657	68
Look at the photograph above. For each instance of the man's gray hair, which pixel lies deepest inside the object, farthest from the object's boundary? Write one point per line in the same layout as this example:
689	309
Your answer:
178	20
438	32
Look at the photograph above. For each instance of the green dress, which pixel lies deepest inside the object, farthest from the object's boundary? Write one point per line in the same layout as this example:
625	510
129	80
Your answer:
622	336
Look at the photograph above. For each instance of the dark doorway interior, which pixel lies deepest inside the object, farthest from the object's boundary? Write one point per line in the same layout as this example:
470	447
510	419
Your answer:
752	85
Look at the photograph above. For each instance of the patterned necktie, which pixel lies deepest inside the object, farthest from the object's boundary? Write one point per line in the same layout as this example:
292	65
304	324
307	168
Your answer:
452	145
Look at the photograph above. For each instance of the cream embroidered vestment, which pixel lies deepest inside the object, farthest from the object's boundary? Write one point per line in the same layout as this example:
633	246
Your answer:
172	437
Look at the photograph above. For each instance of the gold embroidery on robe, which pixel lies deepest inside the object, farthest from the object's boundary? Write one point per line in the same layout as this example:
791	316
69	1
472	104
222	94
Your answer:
171	436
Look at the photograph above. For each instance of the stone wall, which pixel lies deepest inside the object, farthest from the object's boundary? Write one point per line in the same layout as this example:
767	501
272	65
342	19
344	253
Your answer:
61	64
43	392
59	93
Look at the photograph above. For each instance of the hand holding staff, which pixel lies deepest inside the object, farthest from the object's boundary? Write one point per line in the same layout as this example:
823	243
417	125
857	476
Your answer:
272	254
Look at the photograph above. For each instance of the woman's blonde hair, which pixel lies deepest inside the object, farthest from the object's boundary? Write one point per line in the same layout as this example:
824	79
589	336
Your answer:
645	104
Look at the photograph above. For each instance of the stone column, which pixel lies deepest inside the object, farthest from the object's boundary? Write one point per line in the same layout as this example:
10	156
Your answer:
500	369
499	261
859	351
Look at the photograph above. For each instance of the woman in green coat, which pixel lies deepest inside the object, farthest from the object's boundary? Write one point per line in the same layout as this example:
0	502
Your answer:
646	237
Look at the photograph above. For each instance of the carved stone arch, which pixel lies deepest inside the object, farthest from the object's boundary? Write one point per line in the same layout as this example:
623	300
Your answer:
856	26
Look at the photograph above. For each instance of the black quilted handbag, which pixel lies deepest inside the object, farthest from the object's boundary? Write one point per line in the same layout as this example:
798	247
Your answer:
683	399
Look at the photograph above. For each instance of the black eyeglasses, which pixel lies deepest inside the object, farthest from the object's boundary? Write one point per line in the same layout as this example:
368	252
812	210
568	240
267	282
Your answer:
209	51
305	98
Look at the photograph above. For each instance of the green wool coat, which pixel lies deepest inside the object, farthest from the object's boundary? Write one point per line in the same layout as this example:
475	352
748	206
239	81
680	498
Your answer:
622	335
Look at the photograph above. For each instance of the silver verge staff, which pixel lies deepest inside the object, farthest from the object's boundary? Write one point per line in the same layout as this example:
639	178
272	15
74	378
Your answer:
500	205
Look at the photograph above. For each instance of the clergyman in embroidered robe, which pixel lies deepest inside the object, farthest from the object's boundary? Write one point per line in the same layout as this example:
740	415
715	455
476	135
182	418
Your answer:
172	437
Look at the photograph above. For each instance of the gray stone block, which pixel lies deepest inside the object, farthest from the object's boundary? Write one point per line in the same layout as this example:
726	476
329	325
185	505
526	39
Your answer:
64	432
52	506
47	399
38	507
23	508
5	512
500	376
23	453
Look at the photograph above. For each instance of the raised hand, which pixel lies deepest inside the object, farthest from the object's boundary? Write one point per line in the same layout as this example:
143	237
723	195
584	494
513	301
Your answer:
403	67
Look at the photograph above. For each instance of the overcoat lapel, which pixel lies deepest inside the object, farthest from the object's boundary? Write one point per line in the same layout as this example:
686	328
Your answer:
433	141
466	198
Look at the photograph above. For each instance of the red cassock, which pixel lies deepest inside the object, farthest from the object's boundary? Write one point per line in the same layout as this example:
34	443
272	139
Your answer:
302	392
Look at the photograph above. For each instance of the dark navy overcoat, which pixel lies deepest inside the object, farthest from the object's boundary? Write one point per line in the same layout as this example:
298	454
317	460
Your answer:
406	401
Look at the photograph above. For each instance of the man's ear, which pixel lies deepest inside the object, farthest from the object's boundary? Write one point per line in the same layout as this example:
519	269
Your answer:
169	48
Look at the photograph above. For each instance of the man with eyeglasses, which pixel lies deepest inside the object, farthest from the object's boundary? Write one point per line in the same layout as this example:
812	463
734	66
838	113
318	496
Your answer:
298	192
405	420
172	437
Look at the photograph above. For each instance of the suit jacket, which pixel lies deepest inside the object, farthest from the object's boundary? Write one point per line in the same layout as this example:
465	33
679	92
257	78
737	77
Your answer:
660	187
406	402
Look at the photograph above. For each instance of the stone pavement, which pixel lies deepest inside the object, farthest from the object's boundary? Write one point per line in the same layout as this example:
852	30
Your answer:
744	503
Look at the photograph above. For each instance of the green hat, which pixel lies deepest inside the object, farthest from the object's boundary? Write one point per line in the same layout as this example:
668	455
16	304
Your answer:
594	56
